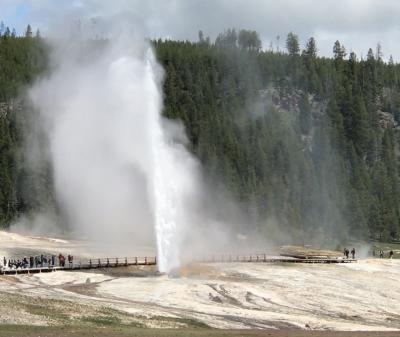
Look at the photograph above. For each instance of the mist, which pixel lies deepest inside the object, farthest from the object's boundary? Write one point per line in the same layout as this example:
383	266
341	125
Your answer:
122	177
100	108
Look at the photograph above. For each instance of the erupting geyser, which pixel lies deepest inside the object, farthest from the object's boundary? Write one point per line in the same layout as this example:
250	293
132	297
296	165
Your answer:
110	147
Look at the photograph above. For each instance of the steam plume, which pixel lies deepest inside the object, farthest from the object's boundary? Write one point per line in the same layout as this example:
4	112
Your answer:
117	167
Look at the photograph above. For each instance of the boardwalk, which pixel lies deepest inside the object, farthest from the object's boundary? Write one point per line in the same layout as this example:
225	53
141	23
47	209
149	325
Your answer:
271	259
152	261
87	264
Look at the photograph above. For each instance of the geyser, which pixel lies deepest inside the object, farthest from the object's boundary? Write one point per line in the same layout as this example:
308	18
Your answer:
118	167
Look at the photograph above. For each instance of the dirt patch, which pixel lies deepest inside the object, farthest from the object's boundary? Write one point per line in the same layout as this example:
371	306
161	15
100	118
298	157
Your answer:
197	270
129	271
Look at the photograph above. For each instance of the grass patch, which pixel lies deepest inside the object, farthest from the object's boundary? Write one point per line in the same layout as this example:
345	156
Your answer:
46	311
189	322
100	320
125	331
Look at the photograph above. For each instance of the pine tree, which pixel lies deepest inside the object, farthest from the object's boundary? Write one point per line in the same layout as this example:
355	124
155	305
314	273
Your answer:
311	48
339	51
292	44
28	31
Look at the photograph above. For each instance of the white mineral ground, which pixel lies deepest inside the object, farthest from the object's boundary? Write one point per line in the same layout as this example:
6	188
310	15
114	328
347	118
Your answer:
355	296
15	245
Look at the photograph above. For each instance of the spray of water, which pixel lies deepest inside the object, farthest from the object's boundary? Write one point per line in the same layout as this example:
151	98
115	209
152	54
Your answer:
119	172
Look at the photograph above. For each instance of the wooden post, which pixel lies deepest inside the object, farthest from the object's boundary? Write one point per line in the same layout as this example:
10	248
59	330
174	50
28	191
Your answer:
99	263
90	263
116	261
136	261
126	261
108	262
145	260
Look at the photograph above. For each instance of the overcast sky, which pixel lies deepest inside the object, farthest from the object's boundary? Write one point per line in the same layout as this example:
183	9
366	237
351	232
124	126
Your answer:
358	24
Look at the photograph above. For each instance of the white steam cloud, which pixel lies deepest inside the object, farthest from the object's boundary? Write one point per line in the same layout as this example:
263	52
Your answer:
118	169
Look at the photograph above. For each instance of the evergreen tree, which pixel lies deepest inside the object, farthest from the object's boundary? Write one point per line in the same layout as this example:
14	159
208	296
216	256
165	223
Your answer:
28	32
339	51
249	40
311	48
292	44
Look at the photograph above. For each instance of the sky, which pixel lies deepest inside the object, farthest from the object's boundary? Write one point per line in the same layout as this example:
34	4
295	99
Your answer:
357	24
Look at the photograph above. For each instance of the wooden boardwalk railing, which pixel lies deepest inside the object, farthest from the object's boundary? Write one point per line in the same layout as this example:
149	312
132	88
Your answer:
218	258
86	264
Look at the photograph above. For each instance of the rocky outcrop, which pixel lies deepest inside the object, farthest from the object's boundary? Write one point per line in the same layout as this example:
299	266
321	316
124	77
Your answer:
386	120
290	101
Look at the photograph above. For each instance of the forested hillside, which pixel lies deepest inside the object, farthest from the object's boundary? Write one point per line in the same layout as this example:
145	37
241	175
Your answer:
306	143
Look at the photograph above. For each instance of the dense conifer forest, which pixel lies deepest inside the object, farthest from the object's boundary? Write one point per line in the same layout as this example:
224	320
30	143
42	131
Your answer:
307	143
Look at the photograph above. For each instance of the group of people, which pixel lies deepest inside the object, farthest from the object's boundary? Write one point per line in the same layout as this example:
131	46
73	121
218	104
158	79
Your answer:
346	253
382	254
39	261
61	259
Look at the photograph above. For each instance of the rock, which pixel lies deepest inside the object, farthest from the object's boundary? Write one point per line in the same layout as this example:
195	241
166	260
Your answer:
216	299
386	120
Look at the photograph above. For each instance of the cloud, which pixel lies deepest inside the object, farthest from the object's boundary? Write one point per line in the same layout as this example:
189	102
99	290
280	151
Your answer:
358	24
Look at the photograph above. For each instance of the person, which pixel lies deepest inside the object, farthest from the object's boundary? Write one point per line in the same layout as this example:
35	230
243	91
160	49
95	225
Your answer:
381	254
4	261
53	260
61	260
353	253
347	253
344	251
31	261
391	254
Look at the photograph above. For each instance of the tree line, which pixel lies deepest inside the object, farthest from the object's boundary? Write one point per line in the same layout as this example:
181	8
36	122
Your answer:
308	146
